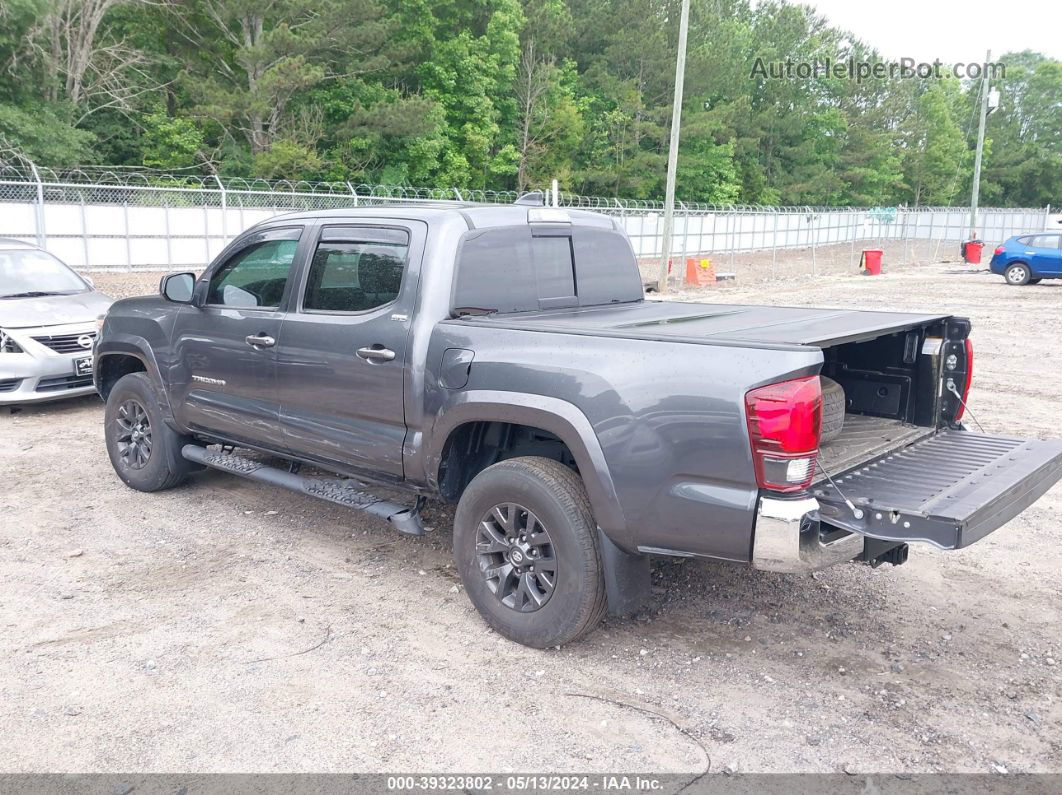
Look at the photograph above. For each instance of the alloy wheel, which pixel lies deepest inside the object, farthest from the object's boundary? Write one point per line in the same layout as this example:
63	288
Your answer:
134	434
516	557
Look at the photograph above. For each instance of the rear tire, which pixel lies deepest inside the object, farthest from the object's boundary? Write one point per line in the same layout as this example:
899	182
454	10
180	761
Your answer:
525	546
1017	274
144	451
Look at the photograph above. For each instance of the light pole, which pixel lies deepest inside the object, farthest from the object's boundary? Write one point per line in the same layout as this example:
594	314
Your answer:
985	110
673	148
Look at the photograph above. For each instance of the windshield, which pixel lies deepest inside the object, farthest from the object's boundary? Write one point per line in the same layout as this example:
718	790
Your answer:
28	273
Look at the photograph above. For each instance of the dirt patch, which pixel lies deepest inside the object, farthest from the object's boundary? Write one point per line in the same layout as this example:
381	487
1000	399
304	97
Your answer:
223	626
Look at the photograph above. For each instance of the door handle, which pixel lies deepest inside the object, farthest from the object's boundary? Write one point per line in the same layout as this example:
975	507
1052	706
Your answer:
260	341
376	352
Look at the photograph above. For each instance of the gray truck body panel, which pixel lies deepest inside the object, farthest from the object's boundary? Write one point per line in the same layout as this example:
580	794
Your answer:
647	396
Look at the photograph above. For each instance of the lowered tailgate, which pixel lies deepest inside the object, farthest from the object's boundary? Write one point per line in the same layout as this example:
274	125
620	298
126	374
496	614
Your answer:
950	489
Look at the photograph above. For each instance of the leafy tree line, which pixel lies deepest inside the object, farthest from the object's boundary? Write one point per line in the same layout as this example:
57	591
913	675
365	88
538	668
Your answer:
510	94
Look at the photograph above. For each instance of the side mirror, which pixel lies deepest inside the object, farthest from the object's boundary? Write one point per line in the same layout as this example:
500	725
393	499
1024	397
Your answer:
177	287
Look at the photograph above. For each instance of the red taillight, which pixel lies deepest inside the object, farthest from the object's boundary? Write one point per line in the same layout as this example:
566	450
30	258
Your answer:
969	377
998	252
784	423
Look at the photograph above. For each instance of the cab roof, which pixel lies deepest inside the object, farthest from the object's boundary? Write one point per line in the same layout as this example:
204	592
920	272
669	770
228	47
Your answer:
475	216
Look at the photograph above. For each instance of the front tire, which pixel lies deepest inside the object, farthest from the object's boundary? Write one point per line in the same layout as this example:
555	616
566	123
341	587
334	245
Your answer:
1017	274
525	546
144	451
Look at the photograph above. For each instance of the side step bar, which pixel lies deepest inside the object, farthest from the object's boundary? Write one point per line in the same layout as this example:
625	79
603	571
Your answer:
405	520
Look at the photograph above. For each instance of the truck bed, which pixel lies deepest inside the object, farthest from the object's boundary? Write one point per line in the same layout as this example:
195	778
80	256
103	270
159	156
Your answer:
751	326
863	438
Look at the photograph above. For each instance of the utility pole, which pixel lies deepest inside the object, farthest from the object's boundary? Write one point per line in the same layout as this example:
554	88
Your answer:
980	148
673	148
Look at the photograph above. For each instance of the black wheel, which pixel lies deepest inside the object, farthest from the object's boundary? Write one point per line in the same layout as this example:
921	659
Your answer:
525	545
144	451
1017	274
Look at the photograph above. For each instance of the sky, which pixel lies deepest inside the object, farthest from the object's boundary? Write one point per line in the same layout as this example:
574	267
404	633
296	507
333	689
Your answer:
949	30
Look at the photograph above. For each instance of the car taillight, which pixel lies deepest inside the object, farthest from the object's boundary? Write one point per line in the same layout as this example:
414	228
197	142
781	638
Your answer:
998	252
969	377
784	423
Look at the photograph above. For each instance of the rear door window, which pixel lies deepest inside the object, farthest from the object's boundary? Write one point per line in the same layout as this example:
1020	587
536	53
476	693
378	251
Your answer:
356	269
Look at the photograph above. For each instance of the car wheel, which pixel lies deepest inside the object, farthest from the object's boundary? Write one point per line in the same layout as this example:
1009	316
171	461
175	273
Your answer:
1017	274
525	546
144	451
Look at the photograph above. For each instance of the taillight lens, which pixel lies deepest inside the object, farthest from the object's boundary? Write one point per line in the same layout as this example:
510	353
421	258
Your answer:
784	423
998	252
969	377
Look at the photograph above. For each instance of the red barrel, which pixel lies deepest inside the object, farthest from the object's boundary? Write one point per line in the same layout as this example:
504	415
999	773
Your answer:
971	251
871	261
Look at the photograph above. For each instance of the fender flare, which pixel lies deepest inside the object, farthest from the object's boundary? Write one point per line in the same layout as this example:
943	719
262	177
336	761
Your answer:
129	345
560	418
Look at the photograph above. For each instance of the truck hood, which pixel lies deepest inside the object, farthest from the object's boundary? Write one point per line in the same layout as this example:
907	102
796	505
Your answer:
754	325
53	310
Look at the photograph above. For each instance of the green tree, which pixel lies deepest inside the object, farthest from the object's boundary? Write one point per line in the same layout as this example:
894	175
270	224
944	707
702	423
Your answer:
936	154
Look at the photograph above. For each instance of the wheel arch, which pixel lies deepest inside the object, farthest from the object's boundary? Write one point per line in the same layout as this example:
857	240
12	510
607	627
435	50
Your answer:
554	418
120	355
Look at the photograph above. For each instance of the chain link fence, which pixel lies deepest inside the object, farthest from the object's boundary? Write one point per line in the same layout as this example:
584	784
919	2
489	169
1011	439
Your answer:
107	219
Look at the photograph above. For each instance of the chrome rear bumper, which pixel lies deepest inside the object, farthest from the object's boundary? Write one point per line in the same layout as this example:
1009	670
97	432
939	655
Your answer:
788	538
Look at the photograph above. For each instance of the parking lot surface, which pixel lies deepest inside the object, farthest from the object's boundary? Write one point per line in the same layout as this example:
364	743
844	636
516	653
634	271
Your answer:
225	626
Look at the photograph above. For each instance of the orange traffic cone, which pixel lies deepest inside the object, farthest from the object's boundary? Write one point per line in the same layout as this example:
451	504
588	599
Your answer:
700	273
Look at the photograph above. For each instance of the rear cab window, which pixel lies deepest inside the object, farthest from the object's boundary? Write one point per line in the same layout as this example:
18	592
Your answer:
528	267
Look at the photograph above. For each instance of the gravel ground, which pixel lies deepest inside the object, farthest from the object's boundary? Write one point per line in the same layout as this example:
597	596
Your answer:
225	626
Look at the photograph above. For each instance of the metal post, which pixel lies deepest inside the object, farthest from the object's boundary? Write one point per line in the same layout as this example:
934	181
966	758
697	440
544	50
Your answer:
853	230
224	212
812	234
556	194
128	242
84	230
774	245
932	221
206	233
673	149
38	213
169	240
980	148
906	232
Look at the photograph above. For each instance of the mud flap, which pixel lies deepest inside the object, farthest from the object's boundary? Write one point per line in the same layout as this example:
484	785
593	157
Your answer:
949	490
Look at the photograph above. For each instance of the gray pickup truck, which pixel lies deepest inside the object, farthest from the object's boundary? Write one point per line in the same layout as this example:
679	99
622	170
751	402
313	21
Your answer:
505	359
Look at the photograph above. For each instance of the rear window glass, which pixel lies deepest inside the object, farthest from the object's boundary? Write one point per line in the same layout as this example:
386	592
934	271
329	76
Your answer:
521	268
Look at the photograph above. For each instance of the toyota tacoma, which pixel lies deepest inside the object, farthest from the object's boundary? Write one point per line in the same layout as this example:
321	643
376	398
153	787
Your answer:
506	360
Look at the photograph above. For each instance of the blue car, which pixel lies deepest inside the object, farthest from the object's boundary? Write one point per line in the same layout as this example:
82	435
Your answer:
1026	259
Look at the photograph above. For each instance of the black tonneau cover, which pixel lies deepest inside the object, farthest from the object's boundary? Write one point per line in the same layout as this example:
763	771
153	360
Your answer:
755	325
950	489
